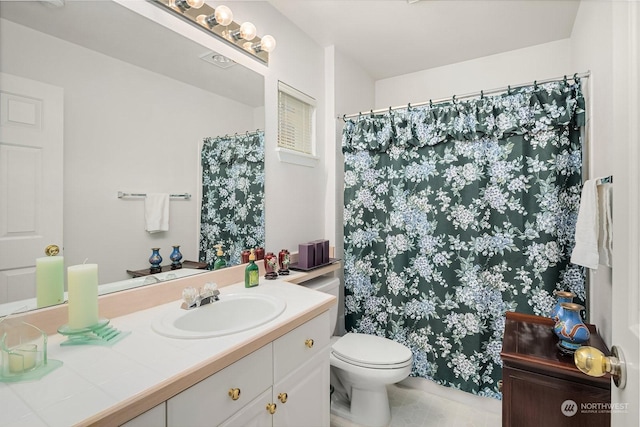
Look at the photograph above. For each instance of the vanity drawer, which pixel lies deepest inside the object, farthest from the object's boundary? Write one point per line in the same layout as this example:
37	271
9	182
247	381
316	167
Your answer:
300	345
209	402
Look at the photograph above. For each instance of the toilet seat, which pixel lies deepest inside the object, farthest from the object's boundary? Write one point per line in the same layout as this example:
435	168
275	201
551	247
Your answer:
371	351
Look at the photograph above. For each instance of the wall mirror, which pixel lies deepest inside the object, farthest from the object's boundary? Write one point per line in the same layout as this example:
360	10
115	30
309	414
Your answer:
138	100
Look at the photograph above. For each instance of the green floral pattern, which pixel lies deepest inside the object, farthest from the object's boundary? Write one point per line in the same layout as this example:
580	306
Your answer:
232	195
456	213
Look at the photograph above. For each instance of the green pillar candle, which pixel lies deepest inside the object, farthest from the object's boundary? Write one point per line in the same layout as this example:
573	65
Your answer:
49	280
83	295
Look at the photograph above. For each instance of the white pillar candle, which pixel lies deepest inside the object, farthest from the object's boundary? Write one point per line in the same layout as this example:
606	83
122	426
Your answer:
49	280
23	358
83	295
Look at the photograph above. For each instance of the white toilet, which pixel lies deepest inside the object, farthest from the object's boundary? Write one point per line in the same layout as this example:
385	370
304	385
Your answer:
361	368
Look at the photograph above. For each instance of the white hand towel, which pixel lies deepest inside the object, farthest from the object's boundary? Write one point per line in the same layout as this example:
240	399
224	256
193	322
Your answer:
156	212
585	251
605	207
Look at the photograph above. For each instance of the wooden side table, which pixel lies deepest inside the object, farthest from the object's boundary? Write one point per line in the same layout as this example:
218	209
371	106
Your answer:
185	264
539	382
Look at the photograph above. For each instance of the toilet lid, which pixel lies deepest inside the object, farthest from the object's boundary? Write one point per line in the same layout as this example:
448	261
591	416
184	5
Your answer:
371	350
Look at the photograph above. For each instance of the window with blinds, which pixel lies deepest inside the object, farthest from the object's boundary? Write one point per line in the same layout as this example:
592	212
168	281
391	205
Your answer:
296	120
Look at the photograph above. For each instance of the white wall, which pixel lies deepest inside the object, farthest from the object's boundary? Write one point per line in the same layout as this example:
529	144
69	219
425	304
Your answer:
352	90
539	62
592	49
126	129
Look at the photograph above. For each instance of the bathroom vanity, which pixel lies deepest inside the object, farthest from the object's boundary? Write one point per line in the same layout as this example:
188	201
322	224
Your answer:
274	374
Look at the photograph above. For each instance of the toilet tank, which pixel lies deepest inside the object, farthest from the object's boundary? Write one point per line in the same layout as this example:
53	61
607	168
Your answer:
328	285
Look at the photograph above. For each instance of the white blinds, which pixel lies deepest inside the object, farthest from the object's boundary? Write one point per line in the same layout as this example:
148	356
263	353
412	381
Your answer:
296	116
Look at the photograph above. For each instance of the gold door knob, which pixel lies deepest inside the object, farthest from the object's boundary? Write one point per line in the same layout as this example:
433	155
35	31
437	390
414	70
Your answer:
309	343
271	408
593	362
283	397
52	250
234	393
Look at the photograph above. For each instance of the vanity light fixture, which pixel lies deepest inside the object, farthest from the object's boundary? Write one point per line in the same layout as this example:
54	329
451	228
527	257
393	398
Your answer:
219	22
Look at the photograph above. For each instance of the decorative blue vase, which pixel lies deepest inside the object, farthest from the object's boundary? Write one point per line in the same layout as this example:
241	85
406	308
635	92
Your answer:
561	296
155	259
175	257
570	328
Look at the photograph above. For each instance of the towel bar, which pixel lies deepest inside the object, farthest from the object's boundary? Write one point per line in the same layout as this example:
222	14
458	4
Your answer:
121	195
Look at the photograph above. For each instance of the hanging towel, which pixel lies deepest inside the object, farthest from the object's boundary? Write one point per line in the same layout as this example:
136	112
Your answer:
605	208
156	212
593	228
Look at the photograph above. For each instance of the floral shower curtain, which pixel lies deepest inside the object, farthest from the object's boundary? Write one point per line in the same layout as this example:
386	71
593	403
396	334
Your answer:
232	195
455	213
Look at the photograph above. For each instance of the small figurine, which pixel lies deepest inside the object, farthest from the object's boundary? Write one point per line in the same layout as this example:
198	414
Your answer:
271	266
284	261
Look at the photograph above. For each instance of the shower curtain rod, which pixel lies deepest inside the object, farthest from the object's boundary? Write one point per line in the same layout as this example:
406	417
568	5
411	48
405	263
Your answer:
247	133
455	98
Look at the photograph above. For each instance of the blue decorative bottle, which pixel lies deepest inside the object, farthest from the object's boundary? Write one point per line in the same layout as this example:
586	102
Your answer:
175	258
155	259
561	296
570	328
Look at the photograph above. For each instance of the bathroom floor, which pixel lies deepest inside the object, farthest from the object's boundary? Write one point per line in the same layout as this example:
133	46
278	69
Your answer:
412	407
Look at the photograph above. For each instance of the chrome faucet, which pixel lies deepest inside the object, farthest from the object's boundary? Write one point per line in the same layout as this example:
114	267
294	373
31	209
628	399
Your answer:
193	299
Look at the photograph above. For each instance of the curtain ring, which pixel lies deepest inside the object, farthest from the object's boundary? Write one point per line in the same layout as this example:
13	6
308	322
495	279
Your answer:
430	103
481	94
575	77
344	117
509	90
371	113
565	79
535	84
409	106
453	98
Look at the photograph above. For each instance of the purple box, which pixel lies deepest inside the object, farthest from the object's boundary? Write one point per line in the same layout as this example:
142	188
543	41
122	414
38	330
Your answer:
306	255
319	251
325	252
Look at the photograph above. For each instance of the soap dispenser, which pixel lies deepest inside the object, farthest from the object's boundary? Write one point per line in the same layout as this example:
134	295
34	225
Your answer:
220	261
251	273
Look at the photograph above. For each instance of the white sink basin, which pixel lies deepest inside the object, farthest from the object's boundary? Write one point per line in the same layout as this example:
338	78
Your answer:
233	313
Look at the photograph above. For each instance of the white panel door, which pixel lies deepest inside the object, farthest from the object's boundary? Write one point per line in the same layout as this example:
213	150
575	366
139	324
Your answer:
626	209
31	173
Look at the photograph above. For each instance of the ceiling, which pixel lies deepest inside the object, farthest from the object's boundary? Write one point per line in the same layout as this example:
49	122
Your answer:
393	37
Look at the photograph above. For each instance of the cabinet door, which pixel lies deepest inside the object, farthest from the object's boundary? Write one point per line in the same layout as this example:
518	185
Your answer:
254	414
531	400
210	402
302	398
154	417
300	345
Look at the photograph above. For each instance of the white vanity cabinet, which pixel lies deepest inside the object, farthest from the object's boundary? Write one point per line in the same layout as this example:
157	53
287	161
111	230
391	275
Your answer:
214	399
284	383
154	417
301	375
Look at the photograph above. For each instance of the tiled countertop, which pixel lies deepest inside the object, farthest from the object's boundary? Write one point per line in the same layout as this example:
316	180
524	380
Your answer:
94	379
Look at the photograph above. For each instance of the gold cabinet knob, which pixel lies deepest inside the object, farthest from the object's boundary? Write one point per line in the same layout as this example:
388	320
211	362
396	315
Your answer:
52	250
271	408
234	393
593	362
283	397
309	343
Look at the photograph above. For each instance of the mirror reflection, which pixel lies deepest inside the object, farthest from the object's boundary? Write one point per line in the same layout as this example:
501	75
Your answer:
129	104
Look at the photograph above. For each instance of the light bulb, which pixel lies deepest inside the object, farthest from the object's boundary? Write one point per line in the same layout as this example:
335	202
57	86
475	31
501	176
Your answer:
223	15
268	43
248	31
196	4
